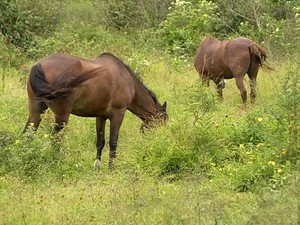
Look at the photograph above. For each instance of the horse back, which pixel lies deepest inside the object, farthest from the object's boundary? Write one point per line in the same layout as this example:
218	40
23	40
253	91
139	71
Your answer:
84	87
59	65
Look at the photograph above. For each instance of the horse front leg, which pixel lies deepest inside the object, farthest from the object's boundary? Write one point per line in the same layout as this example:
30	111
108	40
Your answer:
205	80
220	85
100	132
115	124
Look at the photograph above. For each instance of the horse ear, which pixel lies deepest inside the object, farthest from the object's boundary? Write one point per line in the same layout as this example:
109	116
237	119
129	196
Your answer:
164	105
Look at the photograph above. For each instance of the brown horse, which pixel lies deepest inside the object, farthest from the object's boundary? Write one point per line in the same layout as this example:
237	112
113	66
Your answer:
104	88
218	60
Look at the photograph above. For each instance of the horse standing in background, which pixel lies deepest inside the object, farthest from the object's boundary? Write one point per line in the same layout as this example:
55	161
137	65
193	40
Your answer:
218	60
104	88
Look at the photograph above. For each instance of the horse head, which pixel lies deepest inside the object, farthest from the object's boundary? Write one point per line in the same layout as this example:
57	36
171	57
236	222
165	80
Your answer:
160	116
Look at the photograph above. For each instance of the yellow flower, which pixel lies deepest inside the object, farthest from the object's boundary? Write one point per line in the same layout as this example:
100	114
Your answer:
279	170
259	119
242	146
271	163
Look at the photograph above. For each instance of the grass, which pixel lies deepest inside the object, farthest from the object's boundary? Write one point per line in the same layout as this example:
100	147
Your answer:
135	198
224	168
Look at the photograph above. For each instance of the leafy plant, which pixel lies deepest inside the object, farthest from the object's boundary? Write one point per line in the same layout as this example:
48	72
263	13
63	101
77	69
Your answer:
20	22
133	14
290	117
186	24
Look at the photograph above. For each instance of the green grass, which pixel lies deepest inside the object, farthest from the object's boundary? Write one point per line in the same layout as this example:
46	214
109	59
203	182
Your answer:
135	198
229	166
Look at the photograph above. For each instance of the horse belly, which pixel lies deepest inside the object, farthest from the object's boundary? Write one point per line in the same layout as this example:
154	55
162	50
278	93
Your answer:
217	68
91	104
89	111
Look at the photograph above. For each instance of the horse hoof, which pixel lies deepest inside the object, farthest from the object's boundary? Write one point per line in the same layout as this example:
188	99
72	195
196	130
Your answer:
97	164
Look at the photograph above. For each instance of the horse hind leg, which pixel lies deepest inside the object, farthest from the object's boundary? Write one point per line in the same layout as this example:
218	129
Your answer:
239	80
36	108
61	121
253	92
252	74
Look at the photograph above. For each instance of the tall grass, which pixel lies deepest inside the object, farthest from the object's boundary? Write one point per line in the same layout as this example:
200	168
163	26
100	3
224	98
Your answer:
212	163
222	165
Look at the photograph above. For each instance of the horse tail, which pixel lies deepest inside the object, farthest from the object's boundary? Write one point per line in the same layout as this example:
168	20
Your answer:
38	81
61	88
259	54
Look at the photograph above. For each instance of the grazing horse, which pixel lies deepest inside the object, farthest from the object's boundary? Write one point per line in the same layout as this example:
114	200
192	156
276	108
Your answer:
218	60
103	87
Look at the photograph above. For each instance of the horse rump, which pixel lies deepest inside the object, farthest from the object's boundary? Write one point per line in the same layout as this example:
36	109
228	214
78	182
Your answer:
61	88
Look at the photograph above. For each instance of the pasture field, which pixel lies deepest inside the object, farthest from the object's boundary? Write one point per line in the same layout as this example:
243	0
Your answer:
212	163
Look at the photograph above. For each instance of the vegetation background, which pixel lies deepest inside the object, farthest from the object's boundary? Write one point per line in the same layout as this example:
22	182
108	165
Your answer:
213	163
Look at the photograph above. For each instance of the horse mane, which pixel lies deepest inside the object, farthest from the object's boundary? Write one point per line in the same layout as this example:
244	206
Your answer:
135	76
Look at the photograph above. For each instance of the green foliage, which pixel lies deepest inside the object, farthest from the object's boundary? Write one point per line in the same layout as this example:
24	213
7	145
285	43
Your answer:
79	39
289	116
20	22
212	163
186	24
132	14
43	16
15	24
202	101
268	21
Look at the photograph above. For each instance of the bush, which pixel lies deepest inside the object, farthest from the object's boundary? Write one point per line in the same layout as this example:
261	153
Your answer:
288	115
186	24
132	14
21	21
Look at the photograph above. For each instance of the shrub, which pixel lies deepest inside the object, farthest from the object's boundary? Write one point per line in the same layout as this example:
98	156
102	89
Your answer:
289	116
21	21
132	14
186	24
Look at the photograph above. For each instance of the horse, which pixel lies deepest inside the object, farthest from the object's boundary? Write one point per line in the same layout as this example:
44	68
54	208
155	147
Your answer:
218	60
103	87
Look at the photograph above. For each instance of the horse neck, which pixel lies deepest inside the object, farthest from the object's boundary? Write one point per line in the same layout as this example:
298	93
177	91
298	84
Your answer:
142	104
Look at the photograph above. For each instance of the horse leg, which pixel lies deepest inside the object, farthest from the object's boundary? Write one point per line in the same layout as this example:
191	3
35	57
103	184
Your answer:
35	108
252	74
205	80
253	89
115	124
220	85
100	131
239	80
60	122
